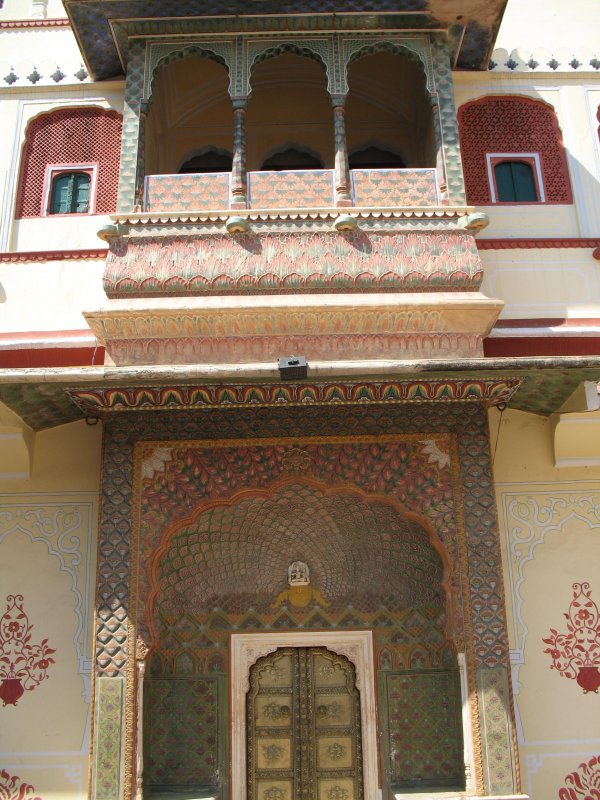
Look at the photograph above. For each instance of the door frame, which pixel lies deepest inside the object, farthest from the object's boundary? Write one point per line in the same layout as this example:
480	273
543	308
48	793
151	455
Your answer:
357	646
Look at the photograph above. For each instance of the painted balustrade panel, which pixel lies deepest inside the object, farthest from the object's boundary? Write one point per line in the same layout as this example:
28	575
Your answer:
312	188
394	187
190	192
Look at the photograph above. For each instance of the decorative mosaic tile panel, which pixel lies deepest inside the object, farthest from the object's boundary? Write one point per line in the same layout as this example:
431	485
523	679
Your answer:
187	192
497	744
467	426
181	724
425	728
394	187
108	735
291	189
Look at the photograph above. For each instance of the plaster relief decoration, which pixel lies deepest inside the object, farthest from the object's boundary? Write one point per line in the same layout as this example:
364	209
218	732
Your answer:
13	788
584	783
23	665
576	654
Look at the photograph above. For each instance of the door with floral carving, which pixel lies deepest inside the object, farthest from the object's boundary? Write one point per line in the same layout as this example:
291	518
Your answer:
304	727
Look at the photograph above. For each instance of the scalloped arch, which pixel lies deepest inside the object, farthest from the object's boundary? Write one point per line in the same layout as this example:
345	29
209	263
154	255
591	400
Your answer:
186	52
396	48
305	51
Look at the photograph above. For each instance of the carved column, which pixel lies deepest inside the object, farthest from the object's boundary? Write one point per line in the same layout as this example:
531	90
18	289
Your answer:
140	666
343	195
440	164
239	191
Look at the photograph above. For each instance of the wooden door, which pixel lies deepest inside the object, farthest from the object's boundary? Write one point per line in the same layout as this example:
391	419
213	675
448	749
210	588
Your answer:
303	727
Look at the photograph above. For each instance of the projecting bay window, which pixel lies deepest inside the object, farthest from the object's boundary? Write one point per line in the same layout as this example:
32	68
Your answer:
515	178
70	189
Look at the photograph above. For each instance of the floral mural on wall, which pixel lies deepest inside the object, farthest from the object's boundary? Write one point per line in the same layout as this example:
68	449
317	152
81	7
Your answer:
576	654
584	783
13	788
23	665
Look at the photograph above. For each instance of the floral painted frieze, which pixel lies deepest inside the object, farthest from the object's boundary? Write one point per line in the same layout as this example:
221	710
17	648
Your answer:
13	788
23	665
584	783
576	654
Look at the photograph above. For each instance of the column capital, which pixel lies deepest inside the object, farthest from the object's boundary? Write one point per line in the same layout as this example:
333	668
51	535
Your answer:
239	103
338	100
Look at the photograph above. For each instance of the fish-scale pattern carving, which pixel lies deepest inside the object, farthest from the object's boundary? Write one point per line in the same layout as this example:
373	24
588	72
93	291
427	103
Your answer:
132	149
468	423
445	91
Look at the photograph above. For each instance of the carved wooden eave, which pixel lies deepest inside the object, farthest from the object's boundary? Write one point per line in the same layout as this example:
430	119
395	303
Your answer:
104	27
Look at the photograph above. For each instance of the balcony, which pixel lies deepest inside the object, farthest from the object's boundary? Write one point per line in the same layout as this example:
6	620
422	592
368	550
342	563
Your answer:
292	189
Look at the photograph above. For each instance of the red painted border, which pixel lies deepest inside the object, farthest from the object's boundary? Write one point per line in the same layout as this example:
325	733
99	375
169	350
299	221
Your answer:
53	255
532	244
556	345
52	357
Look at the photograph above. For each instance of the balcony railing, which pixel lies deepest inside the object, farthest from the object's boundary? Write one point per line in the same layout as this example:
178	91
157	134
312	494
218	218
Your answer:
386	188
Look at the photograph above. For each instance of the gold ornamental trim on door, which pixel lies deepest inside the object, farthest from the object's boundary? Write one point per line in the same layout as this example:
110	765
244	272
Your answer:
303	717
246	649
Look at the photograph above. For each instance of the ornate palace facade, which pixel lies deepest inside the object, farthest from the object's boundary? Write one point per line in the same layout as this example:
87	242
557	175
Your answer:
299	409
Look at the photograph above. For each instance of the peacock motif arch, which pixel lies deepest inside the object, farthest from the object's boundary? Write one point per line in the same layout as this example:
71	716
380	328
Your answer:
372	563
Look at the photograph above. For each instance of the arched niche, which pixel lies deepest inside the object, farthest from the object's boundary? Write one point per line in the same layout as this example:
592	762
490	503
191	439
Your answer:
190	113
388	106
289	102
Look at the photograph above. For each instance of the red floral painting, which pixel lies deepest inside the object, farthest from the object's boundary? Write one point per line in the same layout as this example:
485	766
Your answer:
23	665
584	783
576	654
13	788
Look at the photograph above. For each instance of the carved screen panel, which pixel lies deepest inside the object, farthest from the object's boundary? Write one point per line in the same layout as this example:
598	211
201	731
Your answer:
303	727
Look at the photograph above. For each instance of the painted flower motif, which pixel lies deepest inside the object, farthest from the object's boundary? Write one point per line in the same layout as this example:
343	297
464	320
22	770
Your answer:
576	654
22	665
13	788
584	783
155	462
436	456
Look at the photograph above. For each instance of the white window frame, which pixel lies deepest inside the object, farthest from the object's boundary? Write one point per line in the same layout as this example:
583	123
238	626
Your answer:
531	157
53	171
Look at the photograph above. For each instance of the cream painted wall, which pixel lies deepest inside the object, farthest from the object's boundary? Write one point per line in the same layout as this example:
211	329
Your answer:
56	292
550	539
552	24
48	528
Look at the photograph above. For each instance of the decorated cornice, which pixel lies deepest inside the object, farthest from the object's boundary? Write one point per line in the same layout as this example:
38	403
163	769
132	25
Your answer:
471	26
320	214
35	256
102	400
47	397
542	60
34	23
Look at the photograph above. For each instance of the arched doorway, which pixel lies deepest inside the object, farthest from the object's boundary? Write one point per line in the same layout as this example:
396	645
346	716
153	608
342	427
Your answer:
376	571
303	726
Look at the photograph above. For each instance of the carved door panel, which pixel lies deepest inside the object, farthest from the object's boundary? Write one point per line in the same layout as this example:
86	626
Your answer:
303	727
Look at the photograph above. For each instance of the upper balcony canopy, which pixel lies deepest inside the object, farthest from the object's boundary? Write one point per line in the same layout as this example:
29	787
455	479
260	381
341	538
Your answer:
104	27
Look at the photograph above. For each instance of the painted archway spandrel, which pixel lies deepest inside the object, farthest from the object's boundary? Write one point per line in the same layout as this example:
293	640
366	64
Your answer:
418	472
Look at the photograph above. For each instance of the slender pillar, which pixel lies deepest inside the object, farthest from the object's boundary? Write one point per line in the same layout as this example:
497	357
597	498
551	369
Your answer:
140	666
343	194
440	166
239	190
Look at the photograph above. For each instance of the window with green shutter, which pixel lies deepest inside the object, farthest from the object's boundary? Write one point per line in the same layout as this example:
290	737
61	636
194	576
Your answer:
515	182
70	193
